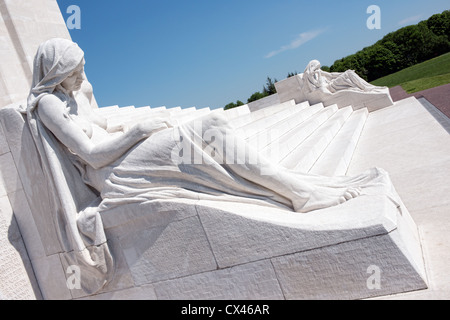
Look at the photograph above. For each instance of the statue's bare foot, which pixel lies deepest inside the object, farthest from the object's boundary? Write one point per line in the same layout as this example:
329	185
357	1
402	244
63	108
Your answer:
327	197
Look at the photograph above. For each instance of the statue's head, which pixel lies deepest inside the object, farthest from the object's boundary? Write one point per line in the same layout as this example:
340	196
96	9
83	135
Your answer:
313	65
58	66
57	62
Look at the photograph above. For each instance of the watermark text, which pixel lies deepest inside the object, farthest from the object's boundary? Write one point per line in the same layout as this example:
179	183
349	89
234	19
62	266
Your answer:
74	20
374	20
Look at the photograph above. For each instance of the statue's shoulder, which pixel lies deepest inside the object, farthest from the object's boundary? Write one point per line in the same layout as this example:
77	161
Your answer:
50	106
51	99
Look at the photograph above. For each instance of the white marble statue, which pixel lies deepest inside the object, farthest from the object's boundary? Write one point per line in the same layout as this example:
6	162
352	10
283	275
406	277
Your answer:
114	167
317	79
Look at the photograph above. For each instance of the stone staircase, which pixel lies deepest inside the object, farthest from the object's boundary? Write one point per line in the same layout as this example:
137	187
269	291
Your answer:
302	137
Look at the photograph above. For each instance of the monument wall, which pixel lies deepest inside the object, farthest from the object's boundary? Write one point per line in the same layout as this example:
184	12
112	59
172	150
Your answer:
24	24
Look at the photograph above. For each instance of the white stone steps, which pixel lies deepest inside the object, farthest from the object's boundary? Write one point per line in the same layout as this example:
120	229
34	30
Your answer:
184	113
202	112
286	144
186	110
155	109
259	114
306	154
190	116
173	111
120	112
235	112
272	134
132	115
127	108
107	110
262	124
335	160
116	111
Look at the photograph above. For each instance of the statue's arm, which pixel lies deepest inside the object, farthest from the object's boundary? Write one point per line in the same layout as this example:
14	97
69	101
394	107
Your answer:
103	123
52	115
330	76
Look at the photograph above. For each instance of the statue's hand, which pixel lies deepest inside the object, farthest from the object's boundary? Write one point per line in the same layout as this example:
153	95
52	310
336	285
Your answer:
148	127
117	128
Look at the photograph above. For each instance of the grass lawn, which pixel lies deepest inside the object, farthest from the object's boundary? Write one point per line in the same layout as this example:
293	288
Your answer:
422	76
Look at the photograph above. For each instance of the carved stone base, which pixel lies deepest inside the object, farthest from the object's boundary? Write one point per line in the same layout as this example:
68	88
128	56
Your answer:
364	248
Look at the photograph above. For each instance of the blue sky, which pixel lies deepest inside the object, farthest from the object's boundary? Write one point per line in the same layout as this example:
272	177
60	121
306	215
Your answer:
207	53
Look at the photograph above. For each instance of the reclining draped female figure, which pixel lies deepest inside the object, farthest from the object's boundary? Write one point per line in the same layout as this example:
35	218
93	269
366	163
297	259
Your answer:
332	82
138	165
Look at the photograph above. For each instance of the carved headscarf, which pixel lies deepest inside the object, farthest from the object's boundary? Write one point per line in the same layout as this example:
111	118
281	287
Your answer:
55	60
312	75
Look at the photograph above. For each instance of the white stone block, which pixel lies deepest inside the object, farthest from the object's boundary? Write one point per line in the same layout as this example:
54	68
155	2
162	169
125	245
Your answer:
168	252
51	277
253	281
136	293
241	233
264	102
131	218
290	88
17	281
359	269
28	229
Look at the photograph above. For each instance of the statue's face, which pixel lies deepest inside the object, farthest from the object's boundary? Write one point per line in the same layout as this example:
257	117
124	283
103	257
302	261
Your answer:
74	81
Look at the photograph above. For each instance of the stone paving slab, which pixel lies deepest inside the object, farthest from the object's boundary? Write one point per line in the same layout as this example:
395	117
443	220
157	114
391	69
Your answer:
413	146
438	96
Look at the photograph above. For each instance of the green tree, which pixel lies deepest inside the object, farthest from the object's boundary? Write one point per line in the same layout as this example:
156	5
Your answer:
256	96
269	88
230	106
439	24
381	62
233	105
